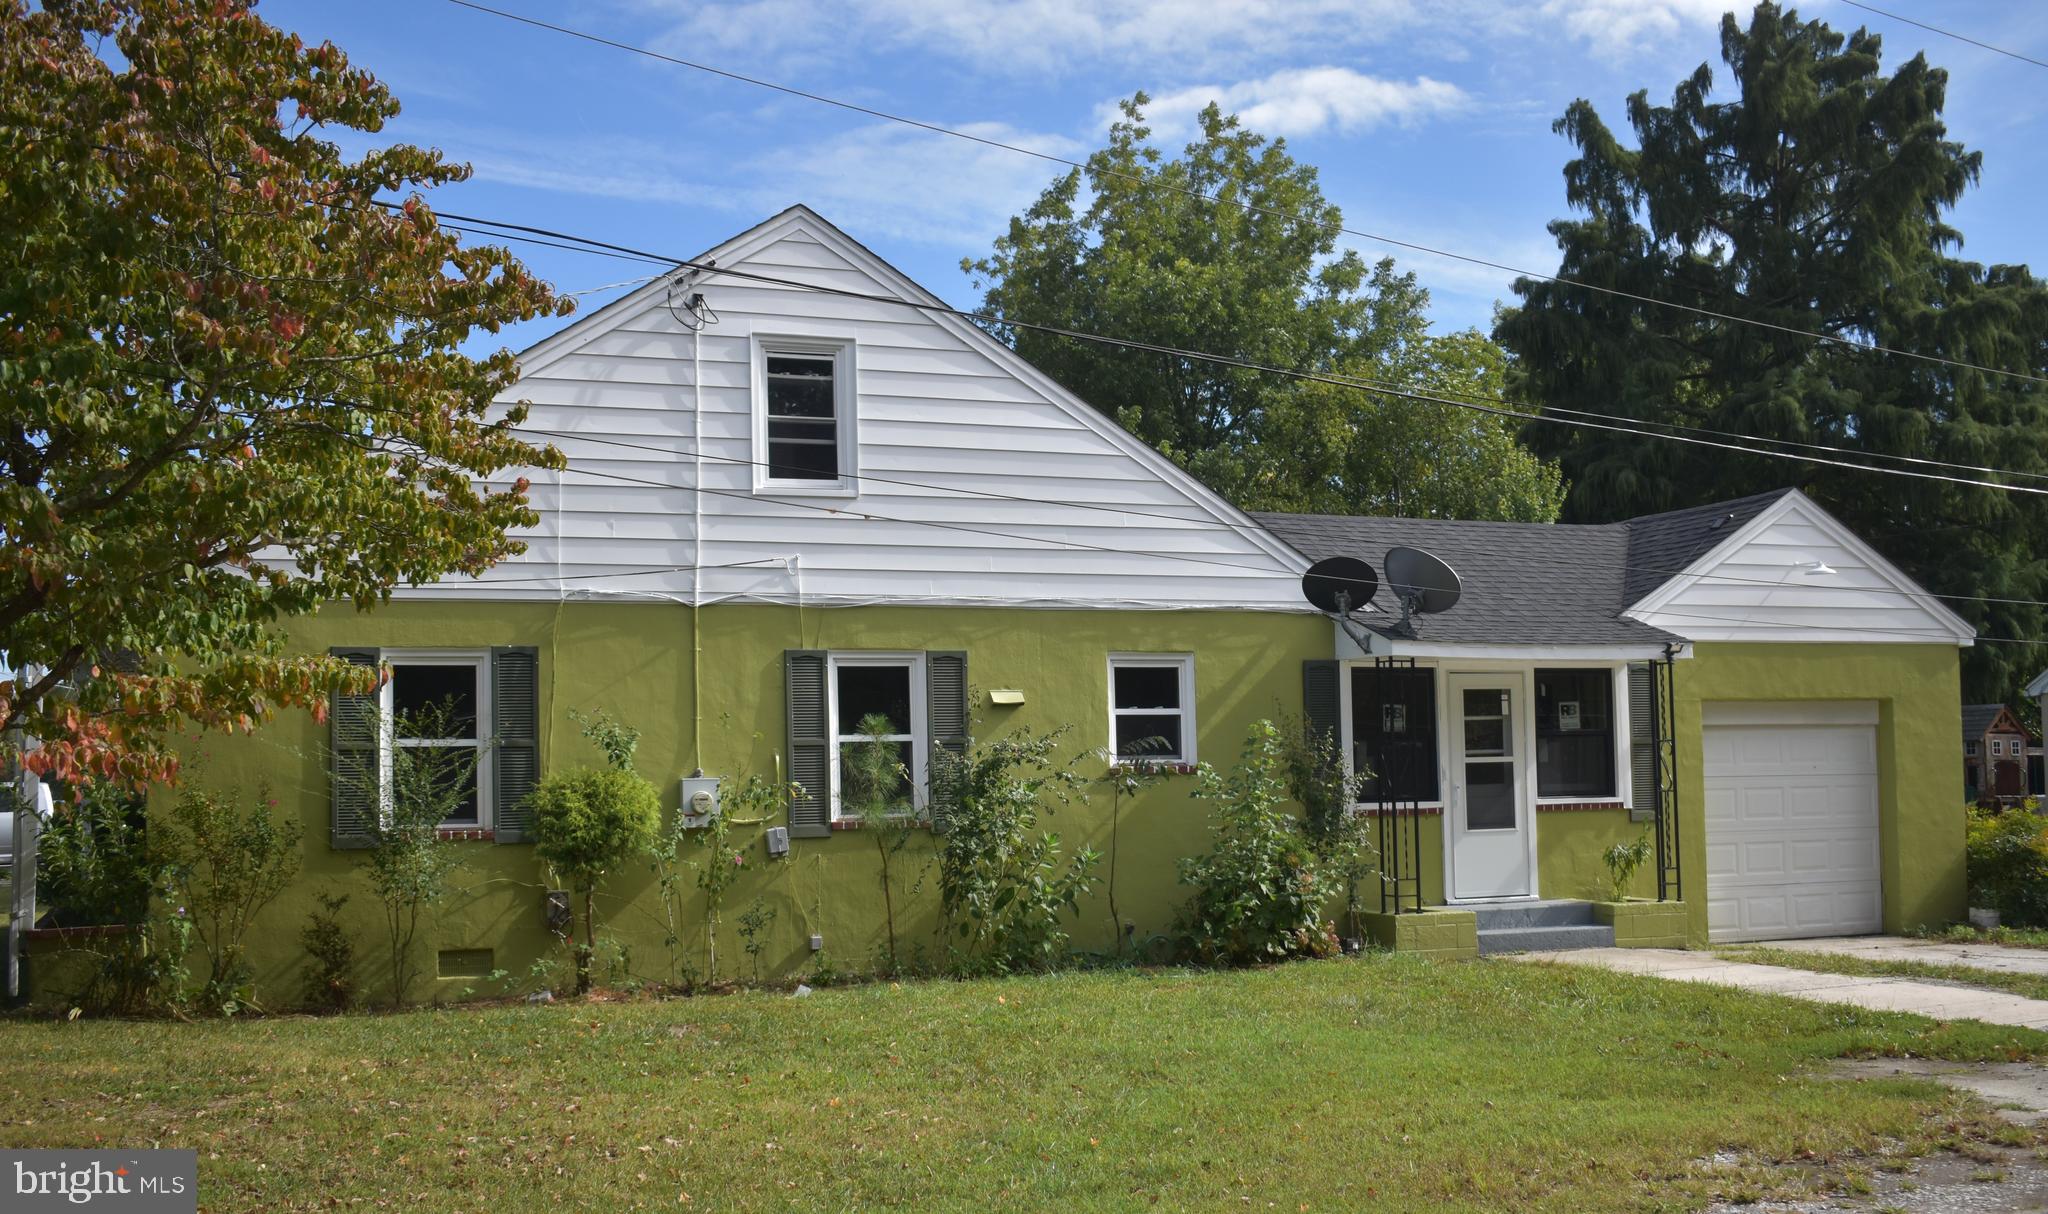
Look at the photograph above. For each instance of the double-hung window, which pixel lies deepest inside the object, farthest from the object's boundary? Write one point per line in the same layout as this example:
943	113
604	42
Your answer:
1575	747
435	707
1152	707
804	436
877	714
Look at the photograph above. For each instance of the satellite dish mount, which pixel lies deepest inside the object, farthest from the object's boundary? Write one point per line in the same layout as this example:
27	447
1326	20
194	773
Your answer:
1422	583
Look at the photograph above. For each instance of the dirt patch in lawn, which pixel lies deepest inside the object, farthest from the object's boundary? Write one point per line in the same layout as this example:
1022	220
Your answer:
1971	1176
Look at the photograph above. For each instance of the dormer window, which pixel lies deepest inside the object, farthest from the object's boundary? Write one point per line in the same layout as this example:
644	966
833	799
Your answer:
803	417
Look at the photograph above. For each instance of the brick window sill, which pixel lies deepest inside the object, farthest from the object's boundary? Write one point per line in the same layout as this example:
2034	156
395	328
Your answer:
466	834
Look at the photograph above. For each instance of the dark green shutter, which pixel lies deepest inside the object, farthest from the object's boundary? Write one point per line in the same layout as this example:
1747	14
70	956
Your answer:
354	780
945	711
1322	705
1642	742
810	742
515	727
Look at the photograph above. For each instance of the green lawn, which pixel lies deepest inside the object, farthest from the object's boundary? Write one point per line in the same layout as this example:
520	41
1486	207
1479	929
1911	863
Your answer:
2033	986
1377	1083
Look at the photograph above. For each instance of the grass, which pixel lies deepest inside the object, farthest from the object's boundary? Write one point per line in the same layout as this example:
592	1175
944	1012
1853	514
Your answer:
1325	1086
1963	933
2032	986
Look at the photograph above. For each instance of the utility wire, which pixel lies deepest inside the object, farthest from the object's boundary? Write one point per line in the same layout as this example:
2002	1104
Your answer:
603	250
1935	29
1220	200
1497	407
1189	524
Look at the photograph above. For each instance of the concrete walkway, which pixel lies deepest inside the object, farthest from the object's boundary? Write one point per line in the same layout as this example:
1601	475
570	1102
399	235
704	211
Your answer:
1997	958
1941	1001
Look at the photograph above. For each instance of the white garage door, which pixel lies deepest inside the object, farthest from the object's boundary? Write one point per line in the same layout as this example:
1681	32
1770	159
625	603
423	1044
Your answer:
1792	843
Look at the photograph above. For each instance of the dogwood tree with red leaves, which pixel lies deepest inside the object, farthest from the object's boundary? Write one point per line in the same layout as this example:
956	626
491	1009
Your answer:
231	385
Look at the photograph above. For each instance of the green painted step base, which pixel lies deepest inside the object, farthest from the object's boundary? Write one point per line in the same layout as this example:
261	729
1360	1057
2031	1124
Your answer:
1644	924
1444	933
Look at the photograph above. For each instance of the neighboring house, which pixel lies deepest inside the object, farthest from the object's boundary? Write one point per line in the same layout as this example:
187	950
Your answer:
1995	745
791	509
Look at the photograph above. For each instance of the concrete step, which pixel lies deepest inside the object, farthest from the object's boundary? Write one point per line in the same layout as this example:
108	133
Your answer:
1557	912
1544	939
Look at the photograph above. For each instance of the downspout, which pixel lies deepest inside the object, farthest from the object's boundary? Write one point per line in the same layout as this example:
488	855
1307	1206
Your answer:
697	552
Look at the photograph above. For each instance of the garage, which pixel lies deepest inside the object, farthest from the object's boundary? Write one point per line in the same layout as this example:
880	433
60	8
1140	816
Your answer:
1792	820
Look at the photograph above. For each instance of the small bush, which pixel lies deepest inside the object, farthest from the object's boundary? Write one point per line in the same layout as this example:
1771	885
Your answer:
587	823
1261	888
1005	886
2008	864
330	983
227	862
1622	860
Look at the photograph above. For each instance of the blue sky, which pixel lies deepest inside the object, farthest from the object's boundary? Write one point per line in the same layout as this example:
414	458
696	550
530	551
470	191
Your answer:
1430	122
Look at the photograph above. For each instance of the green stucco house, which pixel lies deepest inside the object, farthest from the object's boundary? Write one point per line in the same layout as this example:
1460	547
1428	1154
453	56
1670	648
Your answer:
786	509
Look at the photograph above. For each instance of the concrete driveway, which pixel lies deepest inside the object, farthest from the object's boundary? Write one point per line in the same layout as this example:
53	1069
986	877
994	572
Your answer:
1942	1001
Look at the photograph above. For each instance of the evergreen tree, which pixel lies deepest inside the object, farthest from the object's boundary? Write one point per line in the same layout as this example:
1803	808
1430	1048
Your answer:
1815	198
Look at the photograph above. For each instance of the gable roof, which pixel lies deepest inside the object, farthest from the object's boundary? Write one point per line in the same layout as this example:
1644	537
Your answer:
1525	583
1661	545
1978	720
1608	584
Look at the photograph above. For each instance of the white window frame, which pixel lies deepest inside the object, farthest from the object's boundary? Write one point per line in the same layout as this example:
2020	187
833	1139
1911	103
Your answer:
1184	663
1623	735
920	731
844	398
480	661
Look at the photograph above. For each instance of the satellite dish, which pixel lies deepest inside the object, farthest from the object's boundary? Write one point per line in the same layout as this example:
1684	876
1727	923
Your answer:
1423	583
1339	585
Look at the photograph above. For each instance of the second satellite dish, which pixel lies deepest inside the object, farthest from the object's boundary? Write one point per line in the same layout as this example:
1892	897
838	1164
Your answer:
1339	585
1423	583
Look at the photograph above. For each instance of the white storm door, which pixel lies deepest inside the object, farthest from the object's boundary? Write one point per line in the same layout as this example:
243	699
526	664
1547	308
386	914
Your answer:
1491	829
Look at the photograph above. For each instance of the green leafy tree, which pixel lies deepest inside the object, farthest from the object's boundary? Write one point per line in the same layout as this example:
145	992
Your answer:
1141	258
231	385
1812	192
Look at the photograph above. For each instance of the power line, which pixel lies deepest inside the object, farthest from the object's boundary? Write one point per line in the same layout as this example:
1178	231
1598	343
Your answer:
1497	406
1199	524
1935	29
598	248
1254	208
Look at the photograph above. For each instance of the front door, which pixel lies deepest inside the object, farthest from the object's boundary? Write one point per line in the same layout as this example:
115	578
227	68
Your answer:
1491	830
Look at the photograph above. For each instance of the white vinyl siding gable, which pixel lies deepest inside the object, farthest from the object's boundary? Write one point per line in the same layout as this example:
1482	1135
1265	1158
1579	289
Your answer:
975	479
1795	573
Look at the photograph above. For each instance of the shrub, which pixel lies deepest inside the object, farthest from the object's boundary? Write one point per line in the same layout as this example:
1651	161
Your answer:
1261	888
1313	760
95	868
409	863
227	863
586	823
1622	860
875	789
2008	864
330	983
1004	885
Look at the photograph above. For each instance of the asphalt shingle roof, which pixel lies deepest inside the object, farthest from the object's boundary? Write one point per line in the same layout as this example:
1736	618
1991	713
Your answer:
1977	718
1531	583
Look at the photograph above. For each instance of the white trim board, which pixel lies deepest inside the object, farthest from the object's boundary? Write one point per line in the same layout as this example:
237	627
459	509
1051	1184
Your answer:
1771	587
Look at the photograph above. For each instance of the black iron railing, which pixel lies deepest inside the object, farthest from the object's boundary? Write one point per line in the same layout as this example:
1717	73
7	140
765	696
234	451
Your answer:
1399	821
1664	715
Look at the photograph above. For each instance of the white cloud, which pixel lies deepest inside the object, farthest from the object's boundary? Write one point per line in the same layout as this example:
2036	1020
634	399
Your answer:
1614	28
1303	101
885	179
1037	36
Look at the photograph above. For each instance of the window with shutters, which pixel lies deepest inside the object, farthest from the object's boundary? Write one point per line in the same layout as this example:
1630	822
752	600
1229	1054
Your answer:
804	435
1152	707
877	699
451	692
1575	752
